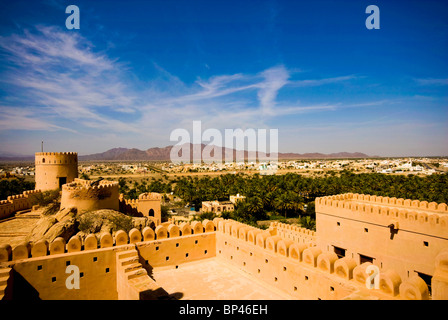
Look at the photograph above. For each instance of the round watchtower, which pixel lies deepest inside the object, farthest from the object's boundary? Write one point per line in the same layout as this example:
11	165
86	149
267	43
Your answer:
54	169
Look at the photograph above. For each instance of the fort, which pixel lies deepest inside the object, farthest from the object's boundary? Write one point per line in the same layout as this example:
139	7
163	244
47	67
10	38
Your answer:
405	240
54	169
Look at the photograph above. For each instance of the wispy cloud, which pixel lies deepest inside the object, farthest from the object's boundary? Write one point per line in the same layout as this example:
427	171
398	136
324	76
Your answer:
59	72
52	75
432	81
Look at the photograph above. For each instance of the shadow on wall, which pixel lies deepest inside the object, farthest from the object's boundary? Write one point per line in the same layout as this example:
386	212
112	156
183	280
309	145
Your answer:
161	294
22	289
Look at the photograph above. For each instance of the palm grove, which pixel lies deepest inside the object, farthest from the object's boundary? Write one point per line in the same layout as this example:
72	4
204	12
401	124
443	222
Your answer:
276	196
292	195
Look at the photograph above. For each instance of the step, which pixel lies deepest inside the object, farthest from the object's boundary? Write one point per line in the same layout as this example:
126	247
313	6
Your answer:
3	281
127	254
2	289
137	273
5	272
132	267
130	260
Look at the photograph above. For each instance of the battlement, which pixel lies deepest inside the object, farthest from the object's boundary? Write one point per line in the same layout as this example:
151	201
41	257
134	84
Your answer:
301	270
295	233
80	184
147	204
412	215
289	265
56	154
28	250
386	201
150	196
17	202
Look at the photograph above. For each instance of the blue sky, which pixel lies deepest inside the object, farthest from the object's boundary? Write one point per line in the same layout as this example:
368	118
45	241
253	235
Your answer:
137	70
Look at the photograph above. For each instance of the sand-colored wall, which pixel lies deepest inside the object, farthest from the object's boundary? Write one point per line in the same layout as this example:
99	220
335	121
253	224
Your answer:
45	277
361	225
50	166
81	195
143	205
307	272
40	268
16	203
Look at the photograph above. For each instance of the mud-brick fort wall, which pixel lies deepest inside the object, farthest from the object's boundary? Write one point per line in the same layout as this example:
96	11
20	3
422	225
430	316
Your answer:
82	195
305	271
111	267
117	267
18	202
147	205
53	169
398	234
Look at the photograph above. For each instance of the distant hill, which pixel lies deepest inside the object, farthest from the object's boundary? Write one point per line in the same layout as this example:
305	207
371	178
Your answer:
163	154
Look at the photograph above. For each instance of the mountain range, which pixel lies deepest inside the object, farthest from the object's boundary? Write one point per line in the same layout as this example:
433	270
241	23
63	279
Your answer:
163	154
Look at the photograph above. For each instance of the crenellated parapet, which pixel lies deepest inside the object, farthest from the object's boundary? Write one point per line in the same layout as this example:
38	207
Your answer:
18	202
54	169
340	273
153	196
413	215
295	233
148	204
386	201
41	248
86	195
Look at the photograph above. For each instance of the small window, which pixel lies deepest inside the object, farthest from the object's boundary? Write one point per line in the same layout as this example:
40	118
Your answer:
331	289
95	259
427	278
338	224
259	271
426	243
306	278
366	230
196	242
340	252
295	288
81	274
186	255
266	260
53	279
363	258
275	279
205	251
167	258
67	263
107	270
39	267
157	248
284	268
177	245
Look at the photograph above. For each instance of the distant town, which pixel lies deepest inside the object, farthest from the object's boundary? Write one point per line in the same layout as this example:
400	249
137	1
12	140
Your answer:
419	166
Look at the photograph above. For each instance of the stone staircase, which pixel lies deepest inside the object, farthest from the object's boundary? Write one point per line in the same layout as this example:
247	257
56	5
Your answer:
133	281
5	274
